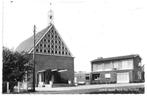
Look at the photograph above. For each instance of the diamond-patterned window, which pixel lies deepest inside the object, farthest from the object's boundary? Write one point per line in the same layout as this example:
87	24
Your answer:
51	43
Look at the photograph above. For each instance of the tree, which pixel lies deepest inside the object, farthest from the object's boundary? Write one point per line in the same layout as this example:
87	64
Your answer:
14	66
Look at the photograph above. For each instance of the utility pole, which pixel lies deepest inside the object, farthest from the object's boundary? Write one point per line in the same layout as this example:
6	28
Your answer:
34	61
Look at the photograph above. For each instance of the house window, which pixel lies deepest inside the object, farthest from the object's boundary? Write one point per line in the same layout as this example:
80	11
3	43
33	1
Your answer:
139	74
44	45
40	45
98	67
107	75
87	77
117	65
44	40
127	64
95	76
108	66
44	51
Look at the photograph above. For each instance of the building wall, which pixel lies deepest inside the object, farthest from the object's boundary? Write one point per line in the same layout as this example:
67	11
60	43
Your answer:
112	79
133	70
44	62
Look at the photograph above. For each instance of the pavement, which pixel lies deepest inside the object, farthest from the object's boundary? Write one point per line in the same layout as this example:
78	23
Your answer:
85	88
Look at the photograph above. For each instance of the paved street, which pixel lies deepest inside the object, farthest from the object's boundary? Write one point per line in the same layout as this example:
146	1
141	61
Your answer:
86	88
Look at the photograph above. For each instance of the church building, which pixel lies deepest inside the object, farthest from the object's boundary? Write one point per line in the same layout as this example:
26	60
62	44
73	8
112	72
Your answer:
53	60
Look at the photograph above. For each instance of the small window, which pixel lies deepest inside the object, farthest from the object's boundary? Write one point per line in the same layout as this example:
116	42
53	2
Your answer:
40	45
48	46
52	41
55	41
52	52
62	52
55	46
48	40
52	46
44	45
59	52
36	50
44	40
44	51
48	51
40	50
55	36
55	52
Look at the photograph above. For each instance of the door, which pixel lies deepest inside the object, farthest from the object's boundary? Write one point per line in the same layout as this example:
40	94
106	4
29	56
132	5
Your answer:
123	77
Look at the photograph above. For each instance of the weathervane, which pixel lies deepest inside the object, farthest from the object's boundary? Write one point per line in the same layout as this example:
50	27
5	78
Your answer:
50	15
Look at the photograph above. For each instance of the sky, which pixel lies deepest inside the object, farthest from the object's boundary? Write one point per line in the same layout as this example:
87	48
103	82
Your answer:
90	28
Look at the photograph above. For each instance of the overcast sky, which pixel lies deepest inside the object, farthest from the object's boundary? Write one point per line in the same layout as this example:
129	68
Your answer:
90	28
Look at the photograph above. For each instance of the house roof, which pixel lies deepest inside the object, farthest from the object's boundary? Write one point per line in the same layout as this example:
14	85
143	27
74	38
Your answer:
27	45
115	58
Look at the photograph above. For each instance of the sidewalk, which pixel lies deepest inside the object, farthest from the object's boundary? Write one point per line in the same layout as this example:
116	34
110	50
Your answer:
89	87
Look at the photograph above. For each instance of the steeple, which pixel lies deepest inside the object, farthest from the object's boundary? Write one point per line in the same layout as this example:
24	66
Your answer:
50	14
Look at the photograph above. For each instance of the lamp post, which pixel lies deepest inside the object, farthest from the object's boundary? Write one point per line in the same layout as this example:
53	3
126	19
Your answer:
34	60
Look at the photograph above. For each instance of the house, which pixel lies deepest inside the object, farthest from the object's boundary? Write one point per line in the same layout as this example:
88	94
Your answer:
82	78
121	69
54	62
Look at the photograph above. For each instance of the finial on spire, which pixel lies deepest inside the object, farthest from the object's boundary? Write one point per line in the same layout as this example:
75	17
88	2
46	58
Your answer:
50	14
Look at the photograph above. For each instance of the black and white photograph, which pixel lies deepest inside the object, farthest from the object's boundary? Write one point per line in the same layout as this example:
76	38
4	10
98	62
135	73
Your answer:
73	47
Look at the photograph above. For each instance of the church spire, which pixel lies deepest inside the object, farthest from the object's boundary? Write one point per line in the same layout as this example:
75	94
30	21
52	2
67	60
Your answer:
50	15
